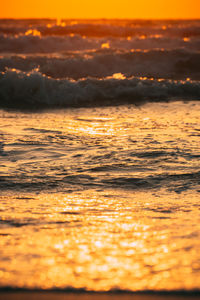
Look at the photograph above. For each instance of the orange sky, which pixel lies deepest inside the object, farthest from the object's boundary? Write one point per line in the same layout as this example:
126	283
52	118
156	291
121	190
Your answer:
100	8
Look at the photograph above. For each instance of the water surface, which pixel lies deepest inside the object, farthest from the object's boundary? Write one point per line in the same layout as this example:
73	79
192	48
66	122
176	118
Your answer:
101	198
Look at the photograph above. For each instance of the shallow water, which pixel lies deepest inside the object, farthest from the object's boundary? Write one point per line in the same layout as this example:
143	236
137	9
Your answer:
155	145
101	198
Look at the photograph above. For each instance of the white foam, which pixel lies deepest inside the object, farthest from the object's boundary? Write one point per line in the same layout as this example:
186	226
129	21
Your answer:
18	89
176	64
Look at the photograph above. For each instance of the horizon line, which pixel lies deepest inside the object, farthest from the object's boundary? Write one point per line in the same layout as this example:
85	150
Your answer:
97	18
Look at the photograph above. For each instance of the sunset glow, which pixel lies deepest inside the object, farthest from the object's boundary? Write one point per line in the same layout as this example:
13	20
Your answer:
100	9
131	238
99	149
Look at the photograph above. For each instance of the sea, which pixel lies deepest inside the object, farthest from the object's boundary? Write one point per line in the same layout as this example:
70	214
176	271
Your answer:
100	155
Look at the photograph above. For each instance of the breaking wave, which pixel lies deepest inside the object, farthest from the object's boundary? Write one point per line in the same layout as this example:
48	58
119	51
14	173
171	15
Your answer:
51	63
54	44
34	90
103	28
172	64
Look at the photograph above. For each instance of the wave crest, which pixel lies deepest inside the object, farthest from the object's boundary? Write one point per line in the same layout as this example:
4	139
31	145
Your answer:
34	90
174	64
59	44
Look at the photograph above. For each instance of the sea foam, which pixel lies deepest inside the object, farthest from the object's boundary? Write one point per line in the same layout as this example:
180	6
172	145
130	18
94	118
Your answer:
174	64
33	89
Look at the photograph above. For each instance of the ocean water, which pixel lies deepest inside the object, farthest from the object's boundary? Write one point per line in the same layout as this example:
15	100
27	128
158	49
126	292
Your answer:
99	155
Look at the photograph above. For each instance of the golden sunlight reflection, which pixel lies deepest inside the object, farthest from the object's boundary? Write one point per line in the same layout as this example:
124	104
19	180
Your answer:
119	76
60	23
33	32
105	45
186	39
99	241
142	37
101	236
